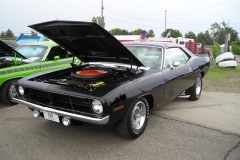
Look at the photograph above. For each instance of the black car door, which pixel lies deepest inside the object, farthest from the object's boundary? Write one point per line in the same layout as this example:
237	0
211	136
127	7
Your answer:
177	79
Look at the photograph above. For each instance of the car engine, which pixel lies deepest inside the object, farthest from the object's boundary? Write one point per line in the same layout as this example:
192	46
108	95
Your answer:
90	77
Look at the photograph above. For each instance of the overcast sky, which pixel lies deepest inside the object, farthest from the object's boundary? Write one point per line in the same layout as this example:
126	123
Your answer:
183	15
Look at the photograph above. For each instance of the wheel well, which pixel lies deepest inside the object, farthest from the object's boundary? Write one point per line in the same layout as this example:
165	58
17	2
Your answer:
9	80
202	73
150	100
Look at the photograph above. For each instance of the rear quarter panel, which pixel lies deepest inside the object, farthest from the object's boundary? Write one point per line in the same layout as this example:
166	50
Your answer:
200	64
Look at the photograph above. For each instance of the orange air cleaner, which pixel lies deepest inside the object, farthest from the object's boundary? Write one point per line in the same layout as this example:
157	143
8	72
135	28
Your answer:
91	72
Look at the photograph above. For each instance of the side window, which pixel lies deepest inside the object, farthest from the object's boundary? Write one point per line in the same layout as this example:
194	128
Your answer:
181	42
185	55
174	55
57	51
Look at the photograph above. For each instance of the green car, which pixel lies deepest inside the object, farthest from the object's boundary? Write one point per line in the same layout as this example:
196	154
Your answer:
28	59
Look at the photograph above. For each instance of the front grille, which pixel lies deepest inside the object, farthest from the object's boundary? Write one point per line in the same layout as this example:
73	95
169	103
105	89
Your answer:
59	101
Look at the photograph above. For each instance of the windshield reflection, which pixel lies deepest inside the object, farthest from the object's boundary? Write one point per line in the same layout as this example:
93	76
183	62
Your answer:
149	56
32	52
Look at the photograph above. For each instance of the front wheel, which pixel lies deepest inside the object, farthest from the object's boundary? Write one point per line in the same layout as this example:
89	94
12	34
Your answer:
135	121
8	91
196	89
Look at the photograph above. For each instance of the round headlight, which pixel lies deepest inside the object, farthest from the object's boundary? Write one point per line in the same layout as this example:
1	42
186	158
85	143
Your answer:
97	106
21	90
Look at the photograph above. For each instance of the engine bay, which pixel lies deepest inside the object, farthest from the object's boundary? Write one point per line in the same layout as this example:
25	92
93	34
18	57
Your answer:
89	76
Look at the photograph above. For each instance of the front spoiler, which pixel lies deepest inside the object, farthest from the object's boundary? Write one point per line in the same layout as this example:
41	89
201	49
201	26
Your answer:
102	120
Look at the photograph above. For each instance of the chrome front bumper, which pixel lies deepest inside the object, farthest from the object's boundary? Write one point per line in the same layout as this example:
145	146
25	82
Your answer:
102	120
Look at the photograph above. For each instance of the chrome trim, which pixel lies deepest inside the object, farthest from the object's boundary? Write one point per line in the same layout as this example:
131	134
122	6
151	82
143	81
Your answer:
102	120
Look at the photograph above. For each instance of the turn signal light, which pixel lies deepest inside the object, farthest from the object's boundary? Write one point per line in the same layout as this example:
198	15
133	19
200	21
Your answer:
118	108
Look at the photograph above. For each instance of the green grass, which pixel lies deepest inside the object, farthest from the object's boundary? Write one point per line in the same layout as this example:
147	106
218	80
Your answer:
226	77
216	73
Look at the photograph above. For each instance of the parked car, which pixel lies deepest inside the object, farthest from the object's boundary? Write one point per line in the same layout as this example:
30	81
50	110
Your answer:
120	83
27	38
25	60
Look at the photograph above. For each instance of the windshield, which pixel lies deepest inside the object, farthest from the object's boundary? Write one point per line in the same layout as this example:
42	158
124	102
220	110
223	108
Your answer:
33	52
149	56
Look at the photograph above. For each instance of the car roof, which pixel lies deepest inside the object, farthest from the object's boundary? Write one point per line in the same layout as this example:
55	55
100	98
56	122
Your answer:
150	43
158	44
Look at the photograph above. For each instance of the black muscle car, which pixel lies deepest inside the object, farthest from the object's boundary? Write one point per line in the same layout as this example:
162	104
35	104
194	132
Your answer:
118	83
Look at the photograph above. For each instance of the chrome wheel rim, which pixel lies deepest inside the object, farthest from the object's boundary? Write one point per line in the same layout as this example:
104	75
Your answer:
12	91
138	116
198	86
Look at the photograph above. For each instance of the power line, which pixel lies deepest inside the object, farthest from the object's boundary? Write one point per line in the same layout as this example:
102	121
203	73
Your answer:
136	23
151	20
121	21
172	15
145	19
200	9
160	21
62	18
133	17
131	22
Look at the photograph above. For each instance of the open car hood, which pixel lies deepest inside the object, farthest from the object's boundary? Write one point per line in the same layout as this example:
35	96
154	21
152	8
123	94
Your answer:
88	41
8	51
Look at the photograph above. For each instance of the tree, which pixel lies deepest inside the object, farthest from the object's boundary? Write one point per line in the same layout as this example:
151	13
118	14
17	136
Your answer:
136	31
200	37
226	30
208	38
118	31
215	28
216	50
205	38
191	35
33	33
219	31
150	33
9	34
235	48
99	20
2	35
174	33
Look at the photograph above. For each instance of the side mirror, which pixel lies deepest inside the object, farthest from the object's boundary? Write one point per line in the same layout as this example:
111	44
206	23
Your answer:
176	64
56	58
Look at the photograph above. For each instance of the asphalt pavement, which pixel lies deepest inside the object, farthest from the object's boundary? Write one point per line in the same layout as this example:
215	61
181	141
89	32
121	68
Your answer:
220	111
207	129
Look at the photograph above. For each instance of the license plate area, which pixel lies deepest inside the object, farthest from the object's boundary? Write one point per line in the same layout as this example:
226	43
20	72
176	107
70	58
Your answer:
51	116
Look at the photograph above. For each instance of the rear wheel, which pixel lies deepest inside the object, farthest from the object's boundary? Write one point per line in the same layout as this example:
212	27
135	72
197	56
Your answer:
196	89
8	91
135	121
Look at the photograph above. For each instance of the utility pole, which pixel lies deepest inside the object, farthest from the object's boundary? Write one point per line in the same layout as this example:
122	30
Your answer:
102	9
101	21
165	19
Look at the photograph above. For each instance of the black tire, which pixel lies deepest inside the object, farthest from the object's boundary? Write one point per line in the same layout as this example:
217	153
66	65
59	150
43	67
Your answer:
135	121
196	89
7	91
